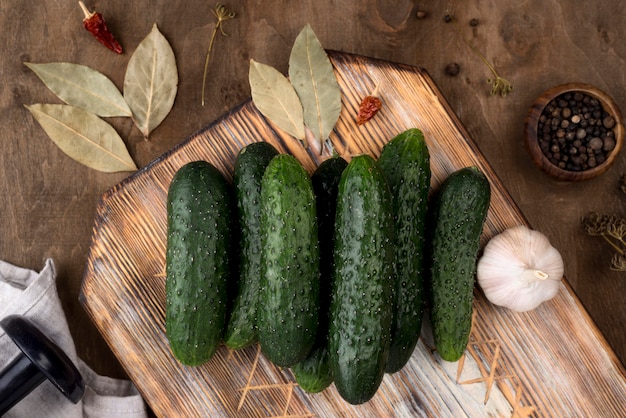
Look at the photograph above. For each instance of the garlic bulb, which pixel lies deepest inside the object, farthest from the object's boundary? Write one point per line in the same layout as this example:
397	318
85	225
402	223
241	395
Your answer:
519	269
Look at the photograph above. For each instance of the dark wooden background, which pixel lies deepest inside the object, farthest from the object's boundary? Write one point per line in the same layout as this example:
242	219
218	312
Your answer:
48	200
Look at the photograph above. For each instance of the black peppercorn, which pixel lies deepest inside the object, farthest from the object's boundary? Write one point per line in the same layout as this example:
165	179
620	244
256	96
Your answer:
595	143
452	69
608	122
609	144
566	112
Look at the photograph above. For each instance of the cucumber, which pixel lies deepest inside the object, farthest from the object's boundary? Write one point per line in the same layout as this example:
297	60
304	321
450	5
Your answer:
198	261
459	212
405	161
313	374
289	295
250	165
363	283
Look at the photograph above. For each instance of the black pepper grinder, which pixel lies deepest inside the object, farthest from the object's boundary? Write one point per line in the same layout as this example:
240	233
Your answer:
40	359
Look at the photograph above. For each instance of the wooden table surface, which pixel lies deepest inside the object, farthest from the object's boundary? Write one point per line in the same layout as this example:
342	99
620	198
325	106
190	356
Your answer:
49	200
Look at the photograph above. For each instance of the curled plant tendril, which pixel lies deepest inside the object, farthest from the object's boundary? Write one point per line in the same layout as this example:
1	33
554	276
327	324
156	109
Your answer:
618	262
500	85
617	229
222	14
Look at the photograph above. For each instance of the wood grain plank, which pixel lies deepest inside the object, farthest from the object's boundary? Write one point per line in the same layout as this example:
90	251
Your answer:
549	362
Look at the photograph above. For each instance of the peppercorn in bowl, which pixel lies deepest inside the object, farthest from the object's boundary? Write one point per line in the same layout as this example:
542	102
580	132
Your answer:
574	132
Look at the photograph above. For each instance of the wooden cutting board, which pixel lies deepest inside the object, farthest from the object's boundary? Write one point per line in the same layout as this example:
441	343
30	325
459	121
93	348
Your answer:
548	362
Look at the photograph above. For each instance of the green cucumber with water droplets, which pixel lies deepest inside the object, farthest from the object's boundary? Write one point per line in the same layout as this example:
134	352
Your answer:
250	165
313	374
198	261
458	215
405	161
363	281
288	303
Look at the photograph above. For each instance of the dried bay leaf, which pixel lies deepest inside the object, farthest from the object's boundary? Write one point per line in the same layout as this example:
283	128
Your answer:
313	78
83	87
276	99
151	81
84	137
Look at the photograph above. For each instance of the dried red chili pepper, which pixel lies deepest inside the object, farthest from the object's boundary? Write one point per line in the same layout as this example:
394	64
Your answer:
368	108
94	23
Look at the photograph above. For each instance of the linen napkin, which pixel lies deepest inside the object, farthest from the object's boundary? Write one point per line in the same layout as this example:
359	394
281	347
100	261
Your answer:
34	295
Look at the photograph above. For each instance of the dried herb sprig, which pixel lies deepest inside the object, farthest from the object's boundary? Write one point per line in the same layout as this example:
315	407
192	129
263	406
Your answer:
613	229
222	14
499	85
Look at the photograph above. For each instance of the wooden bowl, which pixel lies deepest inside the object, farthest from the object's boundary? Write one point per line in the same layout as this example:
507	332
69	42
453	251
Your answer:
550	165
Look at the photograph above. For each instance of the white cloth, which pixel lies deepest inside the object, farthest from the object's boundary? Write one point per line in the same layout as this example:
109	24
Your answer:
35	296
